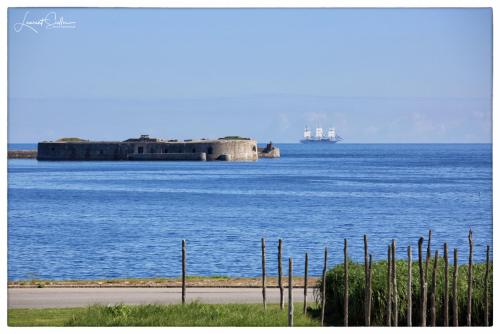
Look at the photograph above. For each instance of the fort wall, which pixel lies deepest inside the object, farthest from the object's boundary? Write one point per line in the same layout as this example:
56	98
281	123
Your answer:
149	150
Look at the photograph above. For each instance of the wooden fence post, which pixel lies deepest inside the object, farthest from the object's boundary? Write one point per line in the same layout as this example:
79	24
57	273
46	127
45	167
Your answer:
323	292
264	273
469	282
346	286
183	271
427	264
409	290
485	297
305	282
455	289
389	286
369	289
290	292
433	291
367	304
280	275
446	286
428	256
423	286
395	311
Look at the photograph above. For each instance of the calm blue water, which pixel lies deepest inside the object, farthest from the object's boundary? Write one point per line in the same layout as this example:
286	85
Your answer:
13	147
127	219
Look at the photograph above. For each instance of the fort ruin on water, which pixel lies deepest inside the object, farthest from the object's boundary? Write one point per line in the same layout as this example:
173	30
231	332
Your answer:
146	148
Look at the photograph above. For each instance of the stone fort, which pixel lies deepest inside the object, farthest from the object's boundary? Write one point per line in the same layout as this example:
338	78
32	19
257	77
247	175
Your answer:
147	148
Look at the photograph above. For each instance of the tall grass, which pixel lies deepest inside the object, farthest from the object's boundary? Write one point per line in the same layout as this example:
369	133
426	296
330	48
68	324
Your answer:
193	314
335	292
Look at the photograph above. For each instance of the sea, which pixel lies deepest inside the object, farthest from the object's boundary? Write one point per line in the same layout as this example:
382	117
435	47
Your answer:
94	220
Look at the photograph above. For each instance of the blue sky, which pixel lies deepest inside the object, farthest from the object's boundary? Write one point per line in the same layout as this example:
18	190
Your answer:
377	75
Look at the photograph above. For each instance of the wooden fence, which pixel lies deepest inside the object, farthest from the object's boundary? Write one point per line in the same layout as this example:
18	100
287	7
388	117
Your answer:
392	309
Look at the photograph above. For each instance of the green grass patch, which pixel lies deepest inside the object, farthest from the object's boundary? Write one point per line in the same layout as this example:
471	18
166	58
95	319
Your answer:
234	138
43	283
215	278
41	317
193	314
71	139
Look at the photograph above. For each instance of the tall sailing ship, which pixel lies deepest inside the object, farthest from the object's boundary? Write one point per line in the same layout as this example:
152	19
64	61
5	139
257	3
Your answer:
320	138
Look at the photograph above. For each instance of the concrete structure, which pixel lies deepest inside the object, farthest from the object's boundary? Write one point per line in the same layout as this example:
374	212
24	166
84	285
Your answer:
21	154
146	148
270	151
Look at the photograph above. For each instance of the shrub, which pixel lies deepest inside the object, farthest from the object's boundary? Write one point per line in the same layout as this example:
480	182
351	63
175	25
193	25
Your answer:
234	138
335	293
71	139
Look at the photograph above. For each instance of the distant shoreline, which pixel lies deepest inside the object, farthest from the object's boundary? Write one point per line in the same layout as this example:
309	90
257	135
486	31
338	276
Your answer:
21	154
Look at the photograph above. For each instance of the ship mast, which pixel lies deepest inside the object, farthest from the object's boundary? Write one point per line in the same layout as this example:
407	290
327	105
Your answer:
332	134
307	133
319	133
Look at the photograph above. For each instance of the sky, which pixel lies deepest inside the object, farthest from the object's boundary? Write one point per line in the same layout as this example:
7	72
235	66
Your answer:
376	75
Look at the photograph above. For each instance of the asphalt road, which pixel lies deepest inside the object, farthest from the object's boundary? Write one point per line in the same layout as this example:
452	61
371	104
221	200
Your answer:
76	297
